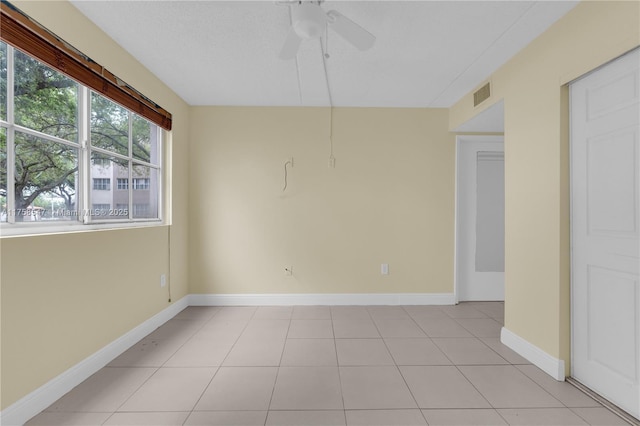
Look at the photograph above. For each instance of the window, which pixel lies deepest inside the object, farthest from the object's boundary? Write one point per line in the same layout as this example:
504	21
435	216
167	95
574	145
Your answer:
38	139
141	210
100	209
140	183
131	145
123	183
101	162
47	121
102	184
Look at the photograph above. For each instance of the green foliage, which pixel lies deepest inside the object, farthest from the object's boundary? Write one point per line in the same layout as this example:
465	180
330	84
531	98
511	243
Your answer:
43	167
109	125
110	129
141	139
47	101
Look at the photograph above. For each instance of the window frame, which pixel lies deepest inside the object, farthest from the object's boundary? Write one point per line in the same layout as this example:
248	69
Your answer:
82	220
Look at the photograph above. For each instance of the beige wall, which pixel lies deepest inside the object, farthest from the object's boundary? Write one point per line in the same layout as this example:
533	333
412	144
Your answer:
66	296
537	162
390	199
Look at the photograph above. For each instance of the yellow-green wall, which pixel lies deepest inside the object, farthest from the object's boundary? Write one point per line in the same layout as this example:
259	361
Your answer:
390	199
66	296
533	86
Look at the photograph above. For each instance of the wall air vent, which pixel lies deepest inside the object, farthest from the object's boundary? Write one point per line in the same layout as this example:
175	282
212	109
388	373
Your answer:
482	94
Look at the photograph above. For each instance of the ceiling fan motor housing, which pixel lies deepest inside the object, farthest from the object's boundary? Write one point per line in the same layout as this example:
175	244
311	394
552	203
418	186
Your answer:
309	20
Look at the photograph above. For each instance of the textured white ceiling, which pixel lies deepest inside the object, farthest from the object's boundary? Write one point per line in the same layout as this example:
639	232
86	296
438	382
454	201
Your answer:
427	53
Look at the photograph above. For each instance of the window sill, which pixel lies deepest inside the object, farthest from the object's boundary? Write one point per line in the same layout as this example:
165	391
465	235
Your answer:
36	229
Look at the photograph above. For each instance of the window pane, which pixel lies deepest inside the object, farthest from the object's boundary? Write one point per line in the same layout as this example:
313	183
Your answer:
46	178
102	184
489	212
141	183
123	184
101	209
109	125
145	140
3	81
107	174
45	100
3	174
145	192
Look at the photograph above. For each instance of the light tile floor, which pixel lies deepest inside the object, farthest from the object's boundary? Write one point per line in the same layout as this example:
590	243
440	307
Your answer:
320	365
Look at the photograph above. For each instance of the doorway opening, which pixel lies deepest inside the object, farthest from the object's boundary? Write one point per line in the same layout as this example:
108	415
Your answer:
480	206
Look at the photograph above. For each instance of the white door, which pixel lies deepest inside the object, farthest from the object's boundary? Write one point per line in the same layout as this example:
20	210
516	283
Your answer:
605	192
480	218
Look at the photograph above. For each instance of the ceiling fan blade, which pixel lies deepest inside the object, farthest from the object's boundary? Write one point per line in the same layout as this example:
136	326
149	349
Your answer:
350	31
291	45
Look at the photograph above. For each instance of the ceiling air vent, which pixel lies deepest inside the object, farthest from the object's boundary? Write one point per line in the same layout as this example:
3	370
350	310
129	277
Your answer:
482	94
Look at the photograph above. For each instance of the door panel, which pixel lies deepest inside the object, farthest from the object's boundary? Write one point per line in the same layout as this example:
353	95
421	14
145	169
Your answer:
612	186
611	307
605	188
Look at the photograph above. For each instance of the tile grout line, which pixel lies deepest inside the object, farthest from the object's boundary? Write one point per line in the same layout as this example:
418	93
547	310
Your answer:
214	374
217	368
541	387
335	348
275	381
480	393
160	367
471	383
235	342
416	322
606	404
404	380
395	364
431	338
156	369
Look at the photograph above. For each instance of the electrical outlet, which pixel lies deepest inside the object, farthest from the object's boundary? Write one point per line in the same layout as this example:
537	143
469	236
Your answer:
163	280
332	163
290	161
384	269
288	271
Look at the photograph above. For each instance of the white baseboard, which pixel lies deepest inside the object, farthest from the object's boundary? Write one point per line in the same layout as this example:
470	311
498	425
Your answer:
547	363
321	299
32	404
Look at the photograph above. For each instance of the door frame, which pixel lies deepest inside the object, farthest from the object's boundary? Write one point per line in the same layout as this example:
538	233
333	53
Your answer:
460	139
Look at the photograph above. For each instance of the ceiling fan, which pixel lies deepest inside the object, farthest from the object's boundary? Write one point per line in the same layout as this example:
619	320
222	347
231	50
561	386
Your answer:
309	20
